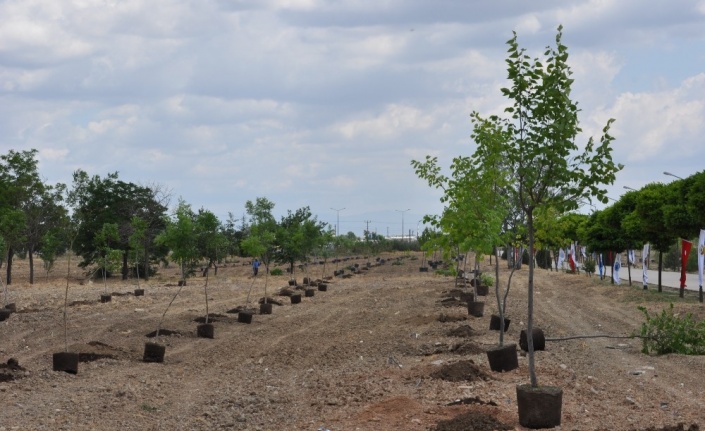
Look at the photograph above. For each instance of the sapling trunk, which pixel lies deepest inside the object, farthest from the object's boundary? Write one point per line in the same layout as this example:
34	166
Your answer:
205	290
66	302
266	278
159	326
465	265
105	280
474	278
247	301
501	304
530	307
137	270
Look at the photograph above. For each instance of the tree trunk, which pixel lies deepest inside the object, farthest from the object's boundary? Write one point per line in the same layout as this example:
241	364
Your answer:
146	265
530	317
31	265
125	267
10	253
660	268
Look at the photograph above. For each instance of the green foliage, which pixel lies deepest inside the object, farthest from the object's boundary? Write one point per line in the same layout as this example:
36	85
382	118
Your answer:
260	242
668	332
180	237
589	266
97	201
148	408
297	235
448	272
543	259
487	279
539	145
276	271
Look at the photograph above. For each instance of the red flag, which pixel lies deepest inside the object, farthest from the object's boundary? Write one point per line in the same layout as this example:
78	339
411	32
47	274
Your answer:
571	260
685	251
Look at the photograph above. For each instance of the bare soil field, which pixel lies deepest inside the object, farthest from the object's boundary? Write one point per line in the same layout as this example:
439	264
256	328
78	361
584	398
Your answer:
383	349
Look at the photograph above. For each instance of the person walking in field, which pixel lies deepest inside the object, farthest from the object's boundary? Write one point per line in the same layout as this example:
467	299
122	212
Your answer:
255	266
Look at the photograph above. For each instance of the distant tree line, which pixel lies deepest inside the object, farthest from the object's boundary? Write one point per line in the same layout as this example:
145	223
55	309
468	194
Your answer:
121	228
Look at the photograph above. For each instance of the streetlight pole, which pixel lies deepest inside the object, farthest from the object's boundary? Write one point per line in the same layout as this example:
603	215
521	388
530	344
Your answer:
629	188
402	222
672	175
337	221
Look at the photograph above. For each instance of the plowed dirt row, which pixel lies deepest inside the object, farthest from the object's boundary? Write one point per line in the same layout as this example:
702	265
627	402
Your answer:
359	356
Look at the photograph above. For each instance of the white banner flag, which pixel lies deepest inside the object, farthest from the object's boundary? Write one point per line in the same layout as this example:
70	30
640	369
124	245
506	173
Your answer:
616	267
561	258
601	265
645	264
631	257
701	255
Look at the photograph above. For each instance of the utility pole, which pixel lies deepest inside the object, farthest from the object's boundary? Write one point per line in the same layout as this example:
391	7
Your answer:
402	222
337	224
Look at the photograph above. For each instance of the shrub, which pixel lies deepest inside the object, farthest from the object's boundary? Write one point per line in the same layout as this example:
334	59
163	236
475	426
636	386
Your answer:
276	271
448	272
487	279
670	333
589	266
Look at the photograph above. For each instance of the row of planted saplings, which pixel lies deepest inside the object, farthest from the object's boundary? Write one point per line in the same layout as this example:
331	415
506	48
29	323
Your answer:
356	268
155	352
504	356
307	287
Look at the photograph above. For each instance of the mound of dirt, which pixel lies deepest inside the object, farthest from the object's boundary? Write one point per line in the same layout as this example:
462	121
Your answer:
466	348
461	371
461	331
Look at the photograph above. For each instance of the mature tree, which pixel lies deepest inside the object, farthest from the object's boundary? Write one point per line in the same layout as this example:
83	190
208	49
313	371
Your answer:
97	201
29	208
44	216
681	222
551	170
696	199
233	235
650	223
298	234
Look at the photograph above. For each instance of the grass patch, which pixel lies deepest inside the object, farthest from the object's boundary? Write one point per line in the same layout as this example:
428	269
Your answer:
636	293
669	332
147	408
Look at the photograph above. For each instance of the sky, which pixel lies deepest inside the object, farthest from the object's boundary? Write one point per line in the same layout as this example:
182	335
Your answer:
324	103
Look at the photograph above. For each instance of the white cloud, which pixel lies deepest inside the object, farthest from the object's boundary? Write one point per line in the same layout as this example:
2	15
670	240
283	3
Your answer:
528	24
663	125
298	99
394	121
